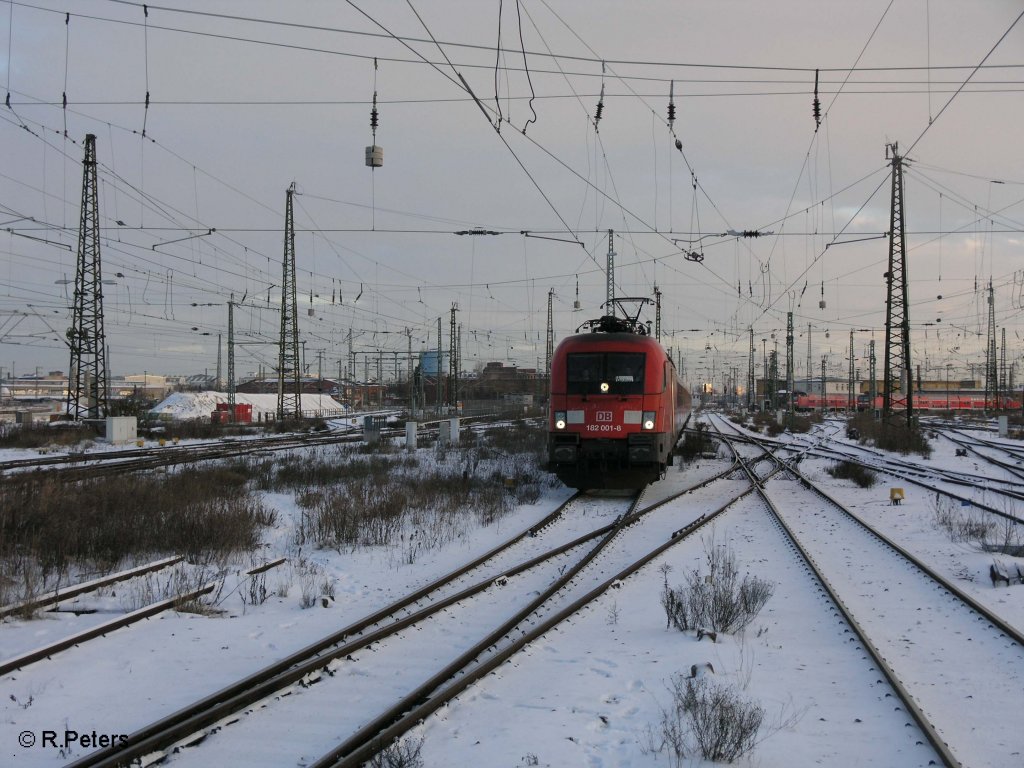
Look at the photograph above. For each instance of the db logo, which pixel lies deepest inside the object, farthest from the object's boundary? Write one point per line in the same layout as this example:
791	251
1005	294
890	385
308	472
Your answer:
603	416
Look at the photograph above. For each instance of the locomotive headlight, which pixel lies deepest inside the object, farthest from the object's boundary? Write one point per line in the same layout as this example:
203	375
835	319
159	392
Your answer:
559	419
604	387
649	419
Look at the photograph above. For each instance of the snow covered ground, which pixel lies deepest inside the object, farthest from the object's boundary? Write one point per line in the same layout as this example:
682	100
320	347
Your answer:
588	694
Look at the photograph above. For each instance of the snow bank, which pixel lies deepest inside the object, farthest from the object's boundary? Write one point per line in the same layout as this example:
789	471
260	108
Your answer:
182	406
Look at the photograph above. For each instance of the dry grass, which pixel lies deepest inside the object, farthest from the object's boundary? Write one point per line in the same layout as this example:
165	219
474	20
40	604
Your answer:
43	435
47	526
384	497
349	497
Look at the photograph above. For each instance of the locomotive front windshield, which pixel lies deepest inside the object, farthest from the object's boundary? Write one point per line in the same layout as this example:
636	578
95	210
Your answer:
623	372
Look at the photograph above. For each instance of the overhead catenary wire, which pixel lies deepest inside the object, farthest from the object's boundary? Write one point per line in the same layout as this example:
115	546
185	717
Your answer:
465	86
593	59
145	42
633	229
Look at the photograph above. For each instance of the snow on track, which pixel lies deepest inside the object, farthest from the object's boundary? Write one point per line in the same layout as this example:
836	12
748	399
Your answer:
964	673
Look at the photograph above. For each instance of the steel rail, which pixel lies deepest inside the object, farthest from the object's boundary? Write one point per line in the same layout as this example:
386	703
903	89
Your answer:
166	731
1013	469
125	620
443	686
933	737
18	662
183	730
1003	626
186	725
906	476
52	598
997	621
364	738
80	465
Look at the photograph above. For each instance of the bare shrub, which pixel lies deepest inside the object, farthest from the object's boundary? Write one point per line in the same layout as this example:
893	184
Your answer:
1003	536
801	424
892	435
256	592
960	525
719	600
694	443
849	470
706	718
400	754
723	724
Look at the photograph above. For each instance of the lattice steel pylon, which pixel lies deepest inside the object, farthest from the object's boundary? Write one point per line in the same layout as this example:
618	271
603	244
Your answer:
750	371
851	397
1003	392
453	360
289	375
87	376
549	351
657	313
991	381
810	361
231	355
873	376
790	383
609	278
897	306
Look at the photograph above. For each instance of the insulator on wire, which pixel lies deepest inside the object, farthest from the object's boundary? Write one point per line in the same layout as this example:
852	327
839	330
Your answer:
374	153
671	104
816	109
600	101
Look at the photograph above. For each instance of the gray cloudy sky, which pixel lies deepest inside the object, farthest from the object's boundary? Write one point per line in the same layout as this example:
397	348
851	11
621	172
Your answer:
264	94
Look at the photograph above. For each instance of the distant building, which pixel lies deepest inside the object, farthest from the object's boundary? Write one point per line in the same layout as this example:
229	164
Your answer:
497	381
145	386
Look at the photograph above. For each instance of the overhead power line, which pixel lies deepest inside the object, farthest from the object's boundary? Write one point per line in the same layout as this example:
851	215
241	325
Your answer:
490	49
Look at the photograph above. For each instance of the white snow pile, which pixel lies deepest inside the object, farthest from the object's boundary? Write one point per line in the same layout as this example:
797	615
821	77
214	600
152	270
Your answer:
182	406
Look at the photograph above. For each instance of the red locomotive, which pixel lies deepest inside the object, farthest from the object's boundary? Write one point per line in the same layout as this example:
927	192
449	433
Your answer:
617	407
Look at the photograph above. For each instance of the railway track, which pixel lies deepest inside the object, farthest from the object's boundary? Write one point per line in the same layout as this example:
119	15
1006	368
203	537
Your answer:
961	441
956	664
365	637
905	472
79	466
22	660
28	607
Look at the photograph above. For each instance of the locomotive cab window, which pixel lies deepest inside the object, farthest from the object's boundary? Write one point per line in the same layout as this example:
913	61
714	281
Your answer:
623	372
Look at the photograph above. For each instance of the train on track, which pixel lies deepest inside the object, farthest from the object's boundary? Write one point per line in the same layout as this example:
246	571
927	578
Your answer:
922	402
617	406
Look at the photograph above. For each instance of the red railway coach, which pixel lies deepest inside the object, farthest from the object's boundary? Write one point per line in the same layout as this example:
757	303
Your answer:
617	408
